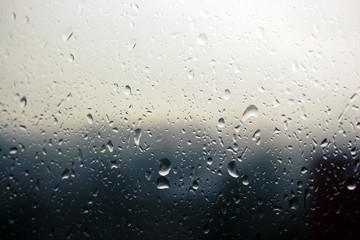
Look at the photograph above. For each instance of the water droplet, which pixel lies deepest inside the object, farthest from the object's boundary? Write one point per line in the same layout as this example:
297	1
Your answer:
23	102
209	161
132	44
232	170
294	203
324	143
251	111
191	74
89	118
148	175
65	174
137	136
227	94
195	185
127	90
165	167
245	180
202	39
13	150
351	184
67	34
71	58
162	183
206	229
221	123
110	146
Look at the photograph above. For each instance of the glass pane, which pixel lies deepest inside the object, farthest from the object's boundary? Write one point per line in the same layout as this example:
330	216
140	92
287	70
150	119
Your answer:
179	119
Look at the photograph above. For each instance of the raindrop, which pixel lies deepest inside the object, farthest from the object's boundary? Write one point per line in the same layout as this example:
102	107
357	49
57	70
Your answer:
162	183
13	150
148	175
137	136
202	39
294	203
65	174
324	143
221	123
227	94
209	160
165	167
351	184
245	180
195	185
110	146
89	118
23	102
71	58
127	90
232	169
206	229
67	34
251	111
132	44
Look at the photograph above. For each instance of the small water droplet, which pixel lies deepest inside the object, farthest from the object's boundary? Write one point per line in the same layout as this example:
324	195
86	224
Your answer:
162	183
195	185
71	58
250	111
148	175
23	101
245	180
221	123
165	167
232	170
324	143
13	150
227	94
294	203
65	174
202	39
191	74
67	34
206	229
89	118
209	160
127	90
137	136
351	184
110	146
132	44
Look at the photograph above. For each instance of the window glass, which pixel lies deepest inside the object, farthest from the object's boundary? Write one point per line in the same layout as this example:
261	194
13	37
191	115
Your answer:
179	119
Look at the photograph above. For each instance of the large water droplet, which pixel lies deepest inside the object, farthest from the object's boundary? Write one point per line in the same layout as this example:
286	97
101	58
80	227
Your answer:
165	167
137	136
250	111
89	118
162	183
232	169
202	39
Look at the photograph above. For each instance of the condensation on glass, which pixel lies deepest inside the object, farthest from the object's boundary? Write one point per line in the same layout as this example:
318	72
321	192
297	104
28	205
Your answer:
179	119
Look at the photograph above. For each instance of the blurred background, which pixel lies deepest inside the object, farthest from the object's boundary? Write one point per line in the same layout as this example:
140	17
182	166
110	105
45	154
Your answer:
179	119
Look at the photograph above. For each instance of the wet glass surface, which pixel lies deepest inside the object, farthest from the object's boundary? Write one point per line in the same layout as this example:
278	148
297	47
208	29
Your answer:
179	120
